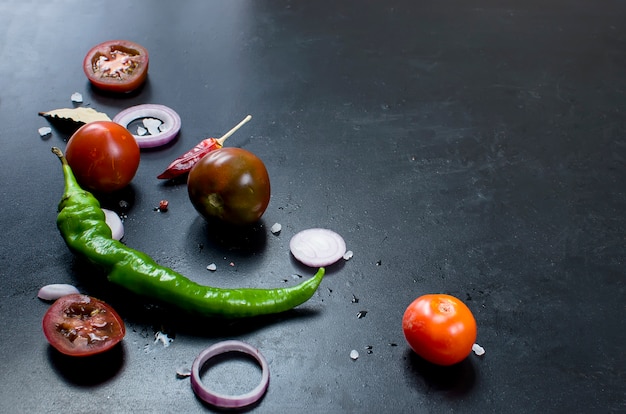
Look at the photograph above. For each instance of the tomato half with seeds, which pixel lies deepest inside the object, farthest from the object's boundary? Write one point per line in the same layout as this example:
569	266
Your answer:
117	65
439	328
80	325
104	156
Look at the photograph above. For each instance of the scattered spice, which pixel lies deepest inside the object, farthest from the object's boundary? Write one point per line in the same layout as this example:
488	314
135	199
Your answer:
355	299
361	314
163	205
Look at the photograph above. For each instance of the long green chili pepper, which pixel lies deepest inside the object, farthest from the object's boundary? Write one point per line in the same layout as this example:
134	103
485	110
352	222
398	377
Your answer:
82	223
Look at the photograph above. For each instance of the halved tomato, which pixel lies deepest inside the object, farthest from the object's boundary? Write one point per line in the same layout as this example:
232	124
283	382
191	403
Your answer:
79	325
117	65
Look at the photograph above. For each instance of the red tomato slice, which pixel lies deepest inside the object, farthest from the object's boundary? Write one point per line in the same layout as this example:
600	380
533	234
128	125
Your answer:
79	325
439	328
117	65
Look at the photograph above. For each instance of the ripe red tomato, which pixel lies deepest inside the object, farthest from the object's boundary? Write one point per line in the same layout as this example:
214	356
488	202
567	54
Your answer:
79	325
104	156
439	328
231	185
117	65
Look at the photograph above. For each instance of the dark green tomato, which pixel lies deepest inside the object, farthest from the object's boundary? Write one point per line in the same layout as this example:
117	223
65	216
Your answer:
231	185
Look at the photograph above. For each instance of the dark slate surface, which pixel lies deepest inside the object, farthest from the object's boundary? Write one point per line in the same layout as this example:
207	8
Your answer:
475	148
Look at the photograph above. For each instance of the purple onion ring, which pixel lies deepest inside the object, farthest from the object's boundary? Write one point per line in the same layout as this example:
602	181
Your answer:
171	123
222	400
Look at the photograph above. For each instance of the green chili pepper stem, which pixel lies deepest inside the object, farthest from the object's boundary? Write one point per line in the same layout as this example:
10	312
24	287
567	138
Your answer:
82	224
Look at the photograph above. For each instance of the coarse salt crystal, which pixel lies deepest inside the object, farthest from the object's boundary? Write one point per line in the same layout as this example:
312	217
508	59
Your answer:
276	228
152	124
163	338
348	255
212	267
44	131
478	350
77	97
354	354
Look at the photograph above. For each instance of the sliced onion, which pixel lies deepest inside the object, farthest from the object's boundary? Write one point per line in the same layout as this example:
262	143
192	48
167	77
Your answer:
222	400
167	130
115	223
55	291
317	247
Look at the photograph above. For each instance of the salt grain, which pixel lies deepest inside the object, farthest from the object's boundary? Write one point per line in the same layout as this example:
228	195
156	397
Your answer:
212	267
348	255
77	97
276	228
163	338
44	131
354	354
478	350
152	124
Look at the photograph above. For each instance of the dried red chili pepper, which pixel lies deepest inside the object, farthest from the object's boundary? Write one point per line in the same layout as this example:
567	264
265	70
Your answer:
185	162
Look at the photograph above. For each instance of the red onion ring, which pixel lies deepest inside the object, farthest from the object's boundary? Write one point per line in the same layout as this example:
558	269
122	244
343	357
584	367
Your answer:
317	247
222	400
171	123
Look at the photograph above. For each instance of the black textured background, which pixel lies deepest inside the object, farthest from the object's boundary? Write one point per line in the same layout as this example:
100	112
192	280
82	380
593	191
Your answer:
475	148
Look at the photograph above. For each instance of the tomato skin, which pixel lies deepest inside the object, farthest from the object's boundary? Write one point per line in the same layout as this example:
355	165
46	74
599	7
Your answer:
231	185
439	328
119	66
80	325
104	156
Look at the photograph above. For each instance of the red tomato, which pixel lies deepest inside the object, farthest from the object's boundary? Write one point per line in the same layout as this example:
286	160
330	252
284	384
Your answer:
231	185
439	328
104	156
79	325
117	65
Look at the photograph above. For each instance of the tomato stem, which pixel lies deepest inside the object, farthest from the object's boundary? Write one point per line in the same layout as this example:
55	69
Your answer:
233	130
